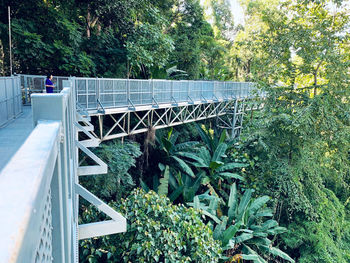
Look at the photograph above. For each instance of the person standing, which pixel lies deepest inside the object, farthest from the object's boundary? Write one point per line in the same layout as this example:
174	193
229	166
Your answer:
48	84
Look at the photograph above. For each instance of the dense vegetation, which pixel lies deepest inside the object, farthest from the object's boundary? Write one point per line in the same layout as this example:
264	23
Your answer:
280	193
113	38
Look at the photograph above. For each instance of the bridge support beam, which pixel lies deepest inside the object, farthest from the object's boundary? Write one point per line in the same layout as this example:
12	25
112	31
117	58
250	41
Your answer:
229	115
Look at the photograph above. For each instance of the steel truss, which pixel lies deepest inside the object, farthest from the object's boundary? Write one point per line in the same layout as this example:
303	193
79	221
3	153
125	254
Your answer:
229	115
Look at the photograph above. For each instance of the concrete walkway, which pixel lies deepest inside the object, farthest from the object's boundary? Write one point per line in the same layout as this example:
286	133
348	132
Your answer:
14	134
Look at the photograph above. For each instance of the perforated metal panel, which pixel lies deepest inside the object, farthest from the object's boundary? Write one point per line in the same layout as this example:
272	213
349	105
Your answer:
43	252
10	99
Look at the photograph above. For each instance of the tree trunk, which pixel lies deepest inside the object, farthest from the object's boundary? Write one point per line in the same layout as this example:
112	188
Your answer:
2	58
88	19
315	78
315	83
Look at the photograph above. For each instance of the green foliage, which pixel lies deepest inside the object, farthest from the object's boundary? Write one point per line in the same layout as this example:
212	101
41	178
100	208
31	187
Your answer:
157	232
244	227
118	181
111	38
164	183
193	167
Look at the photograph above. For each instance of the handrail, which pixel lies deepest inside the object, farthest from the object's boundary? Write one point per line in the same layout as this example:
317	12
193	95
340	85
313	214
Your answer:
25	189
37	186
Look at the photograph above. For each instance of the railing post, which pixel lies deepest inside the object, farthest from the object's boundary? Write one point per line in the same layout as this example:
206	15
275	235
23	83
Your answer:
14	97
152	91
128	91
98	84
171	91
201	96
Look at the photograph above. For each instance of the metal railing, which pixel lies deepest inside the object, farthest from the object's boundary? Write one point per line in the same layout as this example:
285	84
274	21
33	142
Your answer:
113	93
38	221
36	84
10	99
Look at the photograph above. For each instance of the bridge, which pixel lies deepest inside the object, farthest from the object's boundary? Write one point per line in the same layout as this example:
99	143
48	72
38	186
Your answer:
40	147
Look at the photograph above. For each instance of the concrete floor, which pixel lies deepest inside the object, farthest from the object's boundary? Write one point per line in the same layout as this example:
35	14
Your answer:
14	134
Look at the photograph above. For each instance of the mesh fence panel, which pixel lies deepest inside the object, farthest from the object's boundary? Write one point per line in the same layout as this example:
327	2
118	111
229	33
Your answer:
43	251
162	91
10	99
128	92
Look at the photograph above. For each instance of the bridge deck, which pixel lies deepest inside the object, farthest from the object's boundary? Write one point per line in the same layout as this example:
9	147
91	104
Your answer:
13	135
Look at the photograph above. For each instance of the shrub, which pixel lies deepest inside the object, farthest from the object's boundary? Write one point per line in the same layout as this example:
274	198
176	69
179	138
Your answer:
120	157
157	232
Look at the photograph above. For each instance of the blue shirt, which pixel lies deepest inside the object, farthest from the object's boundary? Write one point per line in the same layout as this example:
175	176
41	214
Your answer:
49	89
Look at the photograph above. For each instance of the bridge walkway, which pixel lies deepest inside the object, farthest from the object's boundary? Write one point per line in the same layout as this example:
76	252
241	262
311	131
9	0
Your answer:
13	135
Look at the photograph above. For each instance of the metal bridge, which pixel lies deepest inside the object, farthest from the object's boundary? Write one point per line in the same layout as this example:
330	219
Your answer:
39	182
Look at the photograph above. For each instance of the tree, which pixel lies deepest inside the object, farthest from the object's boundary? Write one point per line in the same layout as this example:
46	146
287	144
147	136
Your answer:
302	136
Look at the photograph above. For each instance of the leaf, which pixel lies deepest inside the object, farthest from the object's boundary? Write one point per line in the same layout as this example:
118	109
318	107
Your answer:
155	183
244	203
214	217
258	203
196	203
173	138
250	257
205	155
230	232
167	145
262	241
161	166
199	162
220	150
232	176
185	145
205	138
214	165
176	193
232	202
220	228
223	136
184	166
195	186
252	252
278	252
269	224
173	181
231	166
144	186
170	132
164	183
277	230
243	237
265	212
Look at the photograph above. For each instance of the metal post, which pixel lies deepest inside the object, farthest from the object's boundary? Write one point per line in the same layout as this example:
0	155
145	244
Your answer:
128	91
6	100
100	121
201	96
113	94
171	91
13	97
25	87
234	119
97	92
10	40
87	93
152	90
